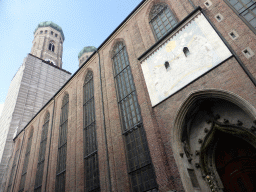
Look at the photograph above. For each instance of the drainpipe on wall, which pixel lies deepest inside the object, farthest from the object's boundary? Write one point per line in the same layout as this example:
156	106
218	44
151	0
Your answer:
193	5
104	126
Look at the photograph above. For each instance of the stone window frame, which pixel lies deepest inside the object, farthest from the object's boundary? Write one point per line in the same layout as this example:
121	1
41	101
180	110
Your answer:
90	154
51	46
160	8
42	153
242	17
126	92
26	160
62	145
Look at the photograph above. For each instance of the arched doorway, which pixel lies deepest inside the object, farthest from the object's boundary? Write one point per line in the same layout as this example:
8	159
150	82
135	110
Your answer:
235	161
214	139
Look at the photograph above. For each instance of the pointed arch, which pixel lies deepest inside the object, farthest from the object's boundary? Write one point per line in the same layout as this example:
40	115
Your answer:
26	160
62	145
91	172
41	155
140	167
161	19
51	46
203	118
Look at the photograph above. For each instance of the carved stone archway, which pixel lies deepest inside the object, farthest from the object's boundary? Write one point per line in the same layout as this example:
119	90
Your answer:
200	123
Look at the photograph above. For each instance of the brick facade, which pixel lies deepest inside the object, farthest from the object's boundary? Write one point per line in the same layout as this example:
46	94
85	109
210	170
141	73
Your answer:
231	76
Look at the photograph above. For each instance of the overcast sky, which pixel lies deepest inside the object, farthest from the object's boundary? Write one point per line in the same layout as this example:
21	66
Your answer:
84	23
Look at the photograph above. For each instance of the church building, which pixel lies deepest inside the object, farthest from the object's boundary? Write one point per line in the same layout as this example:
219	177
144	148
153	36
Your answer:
164	104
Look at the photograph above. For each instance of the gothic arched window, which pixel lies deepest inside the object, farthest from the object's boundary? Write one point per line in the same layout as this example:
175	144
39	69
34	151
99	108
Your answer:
14	164
41	158
26	161
51	46
90	138
62	146
161	19
140	168
246	9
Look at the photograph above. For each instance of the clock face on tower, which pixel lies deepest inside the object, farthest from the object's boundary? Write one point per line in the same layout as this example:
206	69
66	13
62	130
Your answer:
188	54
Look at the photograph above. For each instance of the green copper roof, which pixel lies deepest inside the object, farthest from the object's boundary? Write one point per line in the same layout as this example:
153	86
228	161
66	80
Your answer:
50	24
86	50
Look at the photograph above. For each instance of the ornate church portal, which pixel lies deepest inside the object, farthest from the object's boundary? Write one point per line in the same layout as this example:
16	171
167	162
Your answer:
218	146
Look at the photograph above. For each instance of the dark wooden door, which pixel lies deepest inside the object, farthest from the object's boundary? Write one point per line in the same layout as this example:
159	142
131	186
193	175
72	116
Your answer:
236	164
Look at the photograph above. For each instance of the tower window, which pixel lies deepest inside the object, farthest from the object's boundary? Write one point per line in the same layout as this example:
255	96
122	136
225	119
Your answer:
41	32
162	20
186	51
45	31
51	47
51	32
56	35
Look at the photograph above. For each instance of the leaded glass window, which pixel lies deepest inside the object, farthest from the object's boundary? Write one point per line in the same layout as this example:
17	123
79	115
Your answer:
162	20
62	146
41	158
246	9
26	161
92	182
14	164
140	169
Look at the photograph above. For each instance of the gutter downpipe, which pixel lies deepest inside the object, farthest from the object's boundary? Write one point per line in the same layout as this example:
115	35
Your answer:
18	161
193	5
104	125
53	111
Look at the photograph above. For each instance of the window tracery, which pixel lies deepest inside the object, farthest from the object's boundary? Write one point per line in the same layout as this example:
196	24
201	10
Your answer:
245	9
92	181
41	158
62	146
140	168
161	19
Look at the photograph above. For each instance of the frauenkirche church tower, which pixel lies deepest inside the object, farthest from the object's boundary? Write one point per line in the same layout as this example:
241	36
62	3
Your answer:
36	81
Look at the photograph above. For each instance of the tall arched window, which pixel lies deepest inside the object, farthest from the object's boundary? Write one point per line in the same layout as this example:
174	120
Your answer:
62	146
161	19
92	181
51	46
14	165
246	9
41	158
26	161
140	168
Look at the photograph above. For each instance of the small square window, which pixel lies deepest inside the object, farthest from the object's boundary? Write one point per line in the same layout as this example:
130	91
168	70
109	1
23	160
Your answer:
248	53
51	32
233	35
41	32
219	17
56	35
208	3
